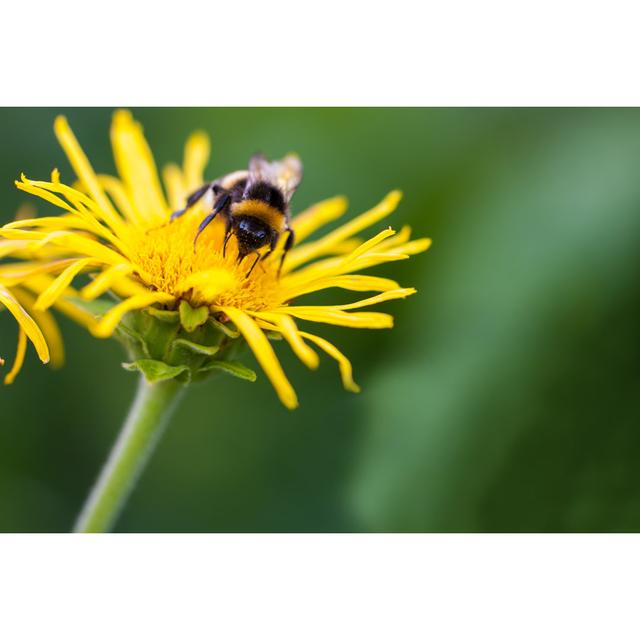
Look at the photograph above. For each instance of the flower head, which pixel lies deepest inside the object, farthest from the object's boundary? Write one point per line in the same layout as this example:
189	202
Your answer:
182	310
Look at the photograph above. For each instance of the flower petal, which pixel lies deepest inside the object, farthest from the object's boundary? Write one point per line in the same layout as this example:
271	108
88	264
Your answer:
137	168
26	322
331	315
60	284
264	354
48	326
107	325
348	282
105	279
84	170
196	157
82	244
286	325
174	186
346	370
119	195
306	252
19	360
316	216
394	294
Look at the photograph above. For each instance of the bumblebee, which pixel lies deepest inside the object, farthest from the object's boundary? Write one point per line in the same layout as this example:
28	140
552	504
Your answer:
254	205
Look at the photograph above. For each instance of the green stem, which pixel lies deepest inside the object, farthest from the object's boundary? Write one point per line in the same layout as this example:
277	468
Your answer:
145	424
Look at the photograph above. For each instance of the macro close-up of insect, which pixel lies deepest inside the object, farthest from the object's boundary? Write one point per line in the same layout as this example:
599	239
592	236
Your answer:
288	305
254	204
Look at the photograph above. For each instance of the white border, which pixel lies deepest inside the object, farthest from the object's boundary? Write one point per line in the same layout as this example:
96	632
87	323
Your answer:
286	52
331	53
324	587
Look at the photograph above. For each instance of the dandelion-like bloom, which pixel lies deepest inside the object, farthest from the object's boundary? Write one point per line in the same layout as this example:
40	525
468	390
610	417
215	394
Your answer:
117	231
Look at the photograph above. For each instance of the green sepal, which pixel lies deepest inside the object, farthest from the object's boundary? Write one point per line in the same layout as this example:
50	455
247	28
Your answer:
163	315
155	370
132	339
234	368
224	328
192	318
201	349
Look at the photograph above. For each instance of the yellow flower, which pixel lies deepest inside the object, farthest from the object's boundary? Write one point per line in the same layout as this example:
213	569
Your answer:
117	231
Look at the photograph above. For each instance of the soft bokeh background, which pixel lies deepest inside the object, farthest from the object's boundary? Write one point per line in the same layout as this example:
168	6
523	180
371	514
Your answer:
507	398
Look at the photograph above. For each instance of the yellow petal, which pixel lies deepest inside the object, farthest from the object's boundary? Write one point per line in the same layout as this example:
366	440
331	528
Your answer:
26	322
316	216
83	206
174	186
107	325
84	170
54	222
206	285
119	195
382	297
305	279
264	354
70	240
137	168
82	211
346	371
104	280
196	157
8	247
19	360
413	247
331	315
370	244
400	238
16	272
306	252
287	327
348	282
60	284
48	326
82	245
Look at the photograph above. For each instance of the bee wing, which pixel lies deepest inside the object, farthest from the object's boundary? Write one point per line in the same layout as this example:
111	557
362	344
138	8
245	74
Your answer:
259	169
288	174
285	174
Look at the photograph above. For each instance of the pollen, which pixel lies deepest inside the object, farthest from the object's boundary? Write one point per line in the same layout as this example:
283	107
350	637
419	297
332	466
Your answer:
167	259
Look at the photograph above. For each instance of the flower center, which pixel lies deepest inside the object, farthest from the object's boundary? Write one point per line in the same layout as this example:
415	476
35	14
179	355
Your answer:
165	259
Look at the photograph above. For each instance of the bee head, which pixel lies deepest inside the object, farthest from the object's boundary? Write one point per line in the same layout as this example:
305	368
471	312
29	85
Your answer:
251	233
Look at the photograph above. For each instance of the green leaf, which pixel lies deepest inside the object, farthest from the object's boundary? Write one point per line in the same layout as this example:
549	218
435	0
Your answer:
201	349
234	368
192	318
155	370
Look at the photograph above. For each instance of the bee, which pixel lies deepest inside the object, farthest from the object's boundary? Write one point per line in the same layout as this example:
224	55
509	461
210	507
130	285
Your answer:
254	205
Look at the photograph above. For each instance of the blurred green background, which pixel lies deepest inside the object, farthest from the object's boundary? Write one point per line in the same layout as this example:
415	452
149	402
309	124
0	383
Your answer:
507	398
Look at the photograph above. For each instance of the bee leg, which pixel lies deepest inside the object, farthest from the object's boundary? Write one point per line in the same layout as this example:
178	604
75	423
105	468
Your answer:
255	262
220	205
291	238
203	226
272	245
191	200
227	236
